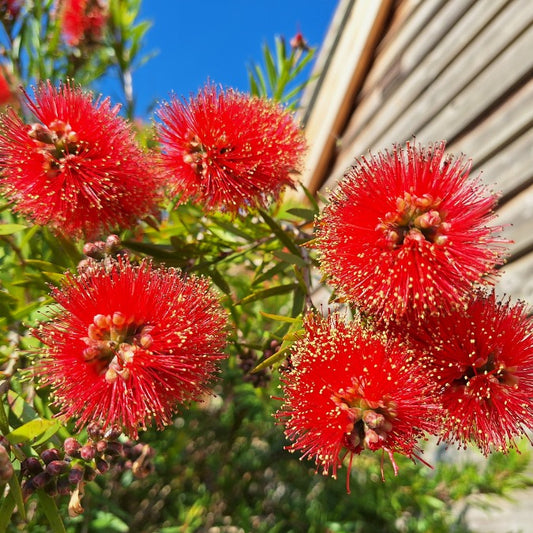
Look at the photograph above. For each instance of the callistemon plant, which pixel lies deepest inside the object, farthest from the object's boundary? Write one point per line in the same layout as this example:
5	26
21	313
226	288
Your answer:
349	390
407	233
78	168
229	151
128	344
125	341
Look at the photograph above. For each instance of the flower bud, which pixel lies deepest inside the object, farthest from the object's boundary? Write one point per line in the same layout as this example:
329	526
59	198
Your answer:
101	465
87	452
31	466
101	445
94	430
112	433
52	454
72	447
76	474
112	244
40	480
114	448
298	42
89	473
63	485
94	250
42	134
28	488
55	468
51	488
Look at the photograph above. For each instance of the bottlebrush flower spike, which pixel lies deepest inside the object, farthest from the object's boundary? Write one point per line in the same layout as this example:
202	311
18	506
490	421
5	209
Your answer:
227	150
82	21
407	233
6	94
78	169
481	357
350	390
129	344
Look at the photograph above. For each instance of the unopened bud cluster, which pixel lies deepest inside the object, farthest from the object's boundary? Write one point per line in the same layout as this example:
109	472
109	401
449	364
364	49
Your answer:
59	472
101	251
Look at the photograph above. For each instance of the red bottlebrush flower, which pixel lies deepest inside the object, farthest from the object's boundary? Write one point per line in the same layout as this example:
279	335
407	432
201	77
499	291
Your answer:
82	21
78	169
228	150
407	233
128	344
6	95
481	357
348	390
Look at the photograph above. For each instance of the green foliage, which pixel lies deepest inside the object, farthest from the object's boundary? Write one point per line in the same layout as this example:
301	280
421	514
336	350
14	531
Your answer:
36	50
280	77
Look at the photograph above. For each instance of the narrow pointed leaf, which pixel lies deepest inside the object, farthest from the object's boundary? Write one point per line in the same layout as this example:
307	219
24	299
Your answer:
267	293
270	67
6	510
279	318
304	214
270	273
48	505
9	229
280	234
16	491
292	259
272	360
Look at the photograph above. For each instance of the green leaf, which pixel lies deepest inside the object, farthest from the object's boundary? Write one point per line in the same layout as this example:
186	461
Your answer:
219	281
270	66
270	273
22	410
44	265
48	505
267	293
6	510
157	251
281	234
298	302
48	434
14	485
272	360
254	88
54	277
30	430
106	521
279	318
23	312
263	91
303	63
304	214
7	298
281	51
311	198
292	259
231	228
9	229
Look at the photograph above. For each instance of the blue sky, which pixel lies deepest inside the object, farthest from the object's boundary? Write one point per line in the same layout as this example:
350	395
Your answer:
216	40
